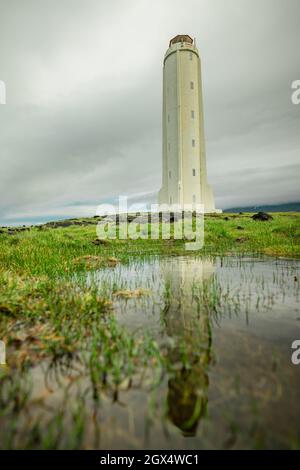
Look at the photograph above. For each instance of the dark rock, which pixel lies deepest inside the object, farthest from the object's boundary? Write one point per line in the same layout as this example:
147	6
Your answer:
5	309
174	216
263	216
99	241
142	217
16	343
63	223
240	228
226	218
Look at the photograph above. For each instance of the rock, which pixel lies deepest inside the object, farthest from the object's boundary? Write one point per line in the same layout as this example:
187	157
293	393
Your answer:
240	228
63	223
5	309
263	216
241	239
99	241
173	216
226	218
130	218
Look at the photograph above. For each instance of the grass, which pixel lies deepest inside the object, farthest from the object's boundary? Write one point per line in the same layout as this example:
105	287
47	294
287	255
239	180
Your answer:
46	316
54	251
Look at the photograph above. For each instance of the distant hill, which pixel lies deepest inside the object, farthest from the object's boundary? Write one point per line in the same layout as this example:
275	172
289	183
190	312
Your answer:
287	207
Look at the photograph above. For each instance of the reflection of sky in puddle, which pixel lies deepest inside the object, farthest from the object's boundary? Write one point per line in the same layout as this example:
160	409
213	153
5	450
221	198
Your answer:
260	294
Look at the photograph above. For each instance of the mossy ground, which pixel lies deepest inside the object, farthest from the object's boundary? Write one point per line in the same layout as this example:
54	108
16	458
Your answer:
45	315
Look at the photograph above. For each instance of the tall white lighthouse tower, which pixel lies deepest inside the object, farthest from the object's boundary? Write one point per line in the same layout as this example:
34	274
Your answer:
184	161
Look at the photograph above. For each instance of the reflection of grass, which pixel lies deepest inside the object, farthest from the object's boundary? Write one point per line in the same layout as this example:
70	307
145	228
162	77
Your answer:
45	316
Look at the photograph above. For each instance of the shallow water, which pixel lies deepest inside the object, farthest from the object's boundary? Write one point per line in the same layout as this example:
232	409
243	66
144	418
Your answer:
239	388
248	387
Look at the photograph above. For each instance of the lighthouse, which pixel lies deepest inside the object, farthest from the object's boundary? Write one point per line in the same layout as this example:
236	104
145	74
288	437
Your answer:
184	179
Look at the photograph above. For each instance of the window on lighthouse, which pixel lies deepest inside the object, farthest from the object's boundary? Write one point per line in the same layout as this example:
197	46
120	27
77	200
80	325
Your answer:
192	85
192	114
193	143
170	174
194	172
194	198
191	56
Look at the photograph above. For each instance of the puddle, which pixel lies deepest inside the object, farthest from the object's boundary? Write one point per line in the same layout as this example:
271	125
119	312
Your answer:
232	383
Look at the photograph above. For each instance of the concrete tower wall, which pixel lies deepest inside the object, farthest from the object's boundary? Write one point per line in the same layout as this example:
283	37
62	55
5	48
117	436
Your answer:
184	163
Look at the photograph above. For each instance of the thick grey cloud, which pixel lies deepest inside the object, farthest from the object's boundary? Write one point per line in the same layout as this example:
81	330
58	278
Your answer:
82	123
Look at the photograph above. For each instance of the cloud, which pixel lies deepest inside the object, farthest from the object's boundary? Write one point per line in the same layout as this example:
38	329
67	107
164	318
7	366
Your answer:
82	123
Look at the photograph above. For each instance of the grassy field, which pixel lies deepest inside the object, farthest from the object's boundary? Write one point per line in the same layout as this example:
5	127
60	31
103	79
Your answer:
45	315
56	251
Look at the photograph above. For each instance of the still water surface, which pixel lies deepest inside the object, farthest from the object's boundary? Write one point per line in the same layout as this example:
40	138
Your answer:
240	388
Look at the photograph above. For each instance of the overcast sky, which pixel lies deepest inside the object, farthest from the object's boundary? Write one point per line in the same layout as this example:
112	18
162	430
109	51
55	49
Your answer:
82	123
